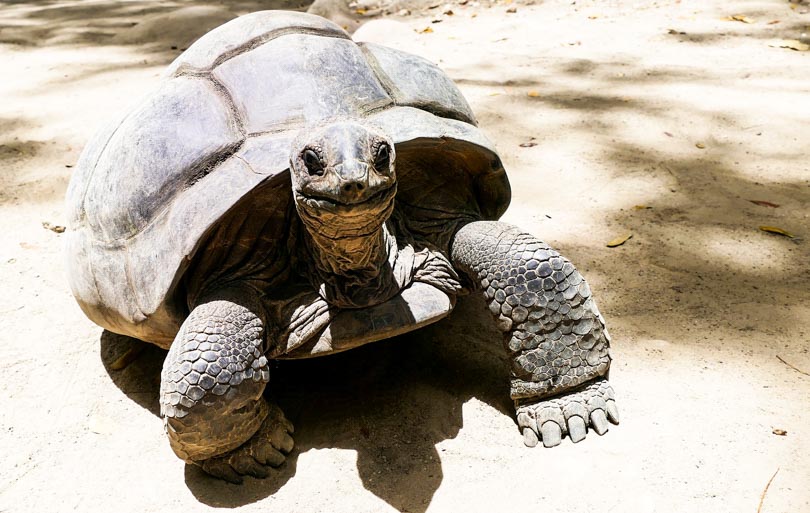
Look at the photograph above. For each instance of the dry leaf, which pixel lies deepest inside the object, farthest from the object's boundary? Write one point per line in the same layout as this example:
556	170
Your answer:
778	231
360	11
792	44
128	357
742	18
763	203
641	207
53	227
700	146
780	432
668	134
618	241
511	10
448	12
528	144
533	94
426	30
773	22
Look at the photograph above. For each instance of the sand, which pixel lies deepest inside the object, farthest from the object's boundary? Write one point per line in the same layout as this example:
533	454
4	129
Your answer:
661	119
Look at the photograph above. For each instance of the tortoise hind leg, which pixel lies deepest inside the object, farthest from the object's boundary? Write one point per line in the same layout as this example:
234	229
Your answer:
211	391
553	332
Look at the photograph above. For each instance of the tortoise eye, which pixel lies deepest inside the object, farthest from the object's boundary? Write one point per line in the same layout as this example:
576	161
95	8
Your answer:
313	162
383	159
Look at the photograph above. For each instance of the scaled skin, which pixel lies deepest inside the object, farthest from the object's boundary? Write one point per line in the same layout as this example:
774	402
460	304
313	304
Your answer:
344	188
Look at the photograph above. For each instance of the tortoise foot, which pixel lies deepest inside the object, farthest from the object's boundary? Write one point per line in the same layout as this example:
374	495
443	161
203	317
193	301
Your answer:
571	414
265	449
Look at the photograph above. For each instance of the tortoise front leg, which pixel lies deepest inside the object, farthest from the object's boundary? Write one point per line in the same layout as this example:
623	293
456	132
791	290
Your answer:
554	334
211	391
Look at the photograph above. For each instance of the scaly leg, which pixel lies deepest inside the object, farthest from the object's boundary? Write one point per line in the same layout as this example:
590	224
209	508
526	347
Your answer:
211	391
554	334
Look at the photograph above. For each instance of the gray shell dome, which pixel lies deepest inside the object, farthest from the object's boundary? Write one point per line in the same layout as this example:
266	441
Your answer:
149	187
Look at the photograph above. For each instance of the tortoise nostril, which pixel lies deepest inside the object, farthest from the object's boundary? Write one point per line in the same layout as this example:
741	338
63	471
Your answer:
353	186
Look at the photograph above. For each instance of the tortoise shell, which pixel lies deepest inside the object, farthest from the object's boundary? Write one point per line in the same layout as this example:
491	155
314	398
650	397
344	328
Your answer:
149	187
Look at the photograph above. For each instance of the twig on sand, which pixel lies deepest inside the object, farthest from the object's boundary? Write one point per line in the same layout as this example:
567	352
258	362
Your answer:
791	366
762	497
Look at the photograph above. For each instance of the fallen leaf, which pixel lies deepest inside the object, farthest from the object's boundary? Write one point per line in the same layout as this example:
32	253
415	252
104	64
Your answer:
123	361
700	146
53	227
668	134
360	11
533	94
774	22
528	144
511	10
642	207
436	20
618	241
678	32
742	18
792	44
448	12
763	203
778	231
780	432
426	30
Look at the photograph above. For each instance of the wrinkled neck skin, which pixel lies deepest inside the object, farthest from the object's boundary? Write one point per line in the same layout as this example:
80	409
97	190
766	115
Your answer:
351	256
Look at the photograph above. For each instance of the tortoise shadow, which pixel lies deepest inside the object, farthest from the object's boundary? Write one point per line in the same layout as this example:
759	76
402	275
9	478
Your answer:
390	402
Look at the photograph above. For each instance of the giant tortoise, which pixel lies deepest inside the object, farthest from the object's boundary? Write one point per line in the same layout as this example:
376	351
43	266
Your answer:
286	192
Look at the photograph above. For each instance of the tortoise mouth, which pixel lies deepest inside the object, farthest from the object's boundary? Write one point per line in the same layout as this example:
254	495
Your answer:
368	205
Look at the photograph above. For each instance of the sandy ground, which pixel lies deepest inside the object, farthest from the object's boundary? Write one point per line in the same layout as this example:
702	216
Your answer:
665	105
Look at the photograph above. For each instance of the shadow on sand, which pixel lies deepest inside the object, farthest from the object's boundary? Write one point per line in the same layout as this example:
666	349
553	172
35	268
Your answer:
390	402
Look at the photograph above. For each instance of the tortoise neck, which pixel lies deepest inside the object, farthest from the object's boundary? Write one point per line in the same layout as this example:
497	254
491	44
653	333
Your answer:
353	271
351	255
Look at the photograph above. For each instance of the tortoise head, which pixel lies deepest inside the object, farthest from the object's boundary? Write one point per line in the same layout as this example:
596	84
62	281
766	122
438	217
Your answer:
343	178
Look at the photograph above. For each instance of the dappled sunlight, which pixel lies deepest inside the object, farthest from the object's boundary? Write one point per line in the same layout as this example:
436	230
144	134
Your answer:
668	121
733	249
